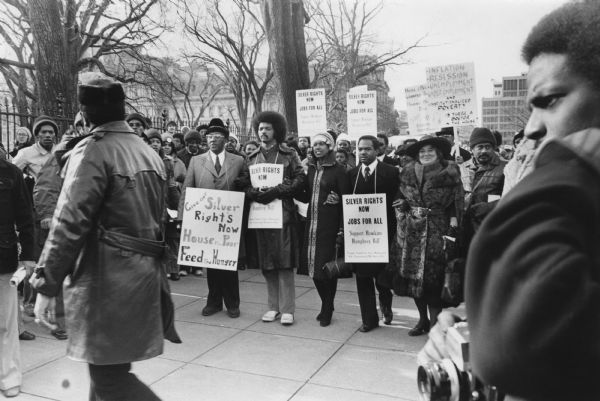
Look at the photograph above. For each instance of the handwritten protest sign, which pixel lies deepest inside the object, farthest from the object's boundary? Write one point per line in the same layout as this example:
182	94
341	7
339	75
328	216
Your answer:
452	94
365	228
311	111
447	99
362	113
420	114
211	227
264	175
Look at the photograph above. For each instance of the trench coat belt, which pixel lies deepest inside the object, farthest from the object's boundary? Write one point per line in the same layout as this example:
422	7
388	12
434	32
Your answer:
134	244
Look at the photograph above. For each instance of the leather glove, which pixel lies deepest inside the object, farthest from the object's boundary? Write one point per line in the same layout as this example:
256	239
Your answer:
268	196
252	193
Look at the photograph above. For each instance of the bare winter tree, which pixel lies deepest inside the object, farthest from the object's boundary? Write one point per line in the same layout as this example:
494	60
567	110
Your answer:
184	85
342	52
52	40
229	35
284	22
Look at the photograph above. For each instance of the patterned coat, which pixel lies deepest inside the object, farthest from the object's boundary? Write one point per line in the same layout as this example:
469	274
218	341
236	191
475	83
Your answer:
323	221
434	194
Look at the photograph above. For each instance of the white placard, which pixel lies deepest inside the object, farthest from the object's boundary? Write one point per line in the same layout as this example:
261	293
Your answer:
452	94
359	88
365	228
420	114
361	109
265	175
211	228
311	111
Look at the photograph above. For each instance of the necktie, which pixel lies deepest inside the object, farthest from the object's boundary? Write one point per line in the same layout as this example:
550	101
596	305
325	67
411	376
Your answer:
367	172
218	165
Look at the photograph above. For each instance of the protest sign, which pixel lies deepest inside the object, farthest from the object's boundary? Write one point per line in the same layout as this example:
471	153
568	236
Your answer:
365	228
211	228
451	93
420	114
265	175
361	109
311	111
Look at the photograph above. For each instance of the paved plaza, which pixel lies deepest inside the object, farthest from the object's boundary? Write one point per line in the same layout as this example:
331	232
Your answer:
246	359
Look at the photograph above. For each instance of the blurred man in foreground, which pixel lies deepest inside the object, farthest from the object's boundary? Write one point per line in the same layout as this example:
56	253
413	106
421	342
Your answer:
533	273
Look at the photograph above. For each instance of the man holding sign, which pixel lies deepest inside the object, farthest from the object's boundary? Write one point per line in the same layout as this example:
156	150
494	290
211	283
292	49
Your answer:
373	177
278	248
221	170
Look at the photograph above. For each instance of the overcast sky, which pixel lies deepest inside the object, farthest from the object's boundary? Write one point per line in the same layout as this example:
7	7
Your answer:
487	32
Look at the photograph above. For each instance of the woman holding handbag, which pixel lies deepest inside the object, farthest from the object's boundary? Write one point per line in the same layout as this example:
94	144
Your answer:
429	207
323	236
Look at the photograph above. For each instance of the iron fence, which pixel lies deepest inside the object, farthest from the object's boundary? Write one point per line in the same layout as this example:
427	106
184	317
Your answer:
11	119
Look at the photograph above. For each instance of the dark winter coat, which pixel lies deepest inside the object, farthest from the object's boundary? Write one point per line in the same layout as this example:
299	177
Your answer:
533	279
114	182
418	249
280	249
323	221
16	211
485	181
388	179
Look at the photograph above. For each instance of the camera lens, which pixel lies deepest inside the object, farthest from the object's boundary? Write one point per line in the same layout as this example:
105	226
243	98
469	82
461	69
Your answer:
434	383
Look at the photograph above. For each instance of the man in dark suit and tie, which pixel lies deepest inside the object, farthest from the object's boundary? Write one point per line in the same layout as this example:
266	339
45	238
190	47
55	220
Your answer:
369	177
218	169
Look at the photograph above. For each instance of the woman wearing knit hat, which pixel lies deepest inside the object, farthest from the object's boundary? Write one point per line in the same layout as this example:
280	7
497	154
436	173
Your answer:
327	182
137	122
430	206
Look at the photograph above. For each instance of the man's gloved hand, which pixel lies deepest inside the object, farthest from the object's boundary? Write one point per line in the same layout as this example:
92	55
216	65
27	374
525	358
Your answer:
252	193
268	196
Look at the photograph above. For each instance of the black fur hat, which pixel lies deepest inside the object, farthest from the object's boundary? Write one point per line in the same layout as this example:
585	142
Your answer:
276	120
217	125
102	100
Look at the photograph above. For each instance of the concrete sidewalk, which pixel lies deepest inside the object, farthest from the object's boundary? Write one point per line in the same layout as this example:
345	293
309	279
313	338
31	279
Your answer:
246	359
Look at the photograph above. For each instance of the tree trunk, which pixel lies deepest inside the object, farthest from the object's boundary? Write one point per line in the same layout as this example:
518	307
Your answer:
284	23
55	75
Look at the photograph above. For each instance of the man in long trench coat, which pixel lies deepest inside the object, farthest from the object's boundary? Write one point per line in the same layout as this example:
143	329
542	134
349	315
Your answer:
107	235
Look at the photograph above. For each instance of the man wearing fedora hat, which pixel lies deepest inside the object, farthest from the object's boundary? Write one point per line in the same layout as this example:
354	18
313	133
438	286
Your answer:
218	169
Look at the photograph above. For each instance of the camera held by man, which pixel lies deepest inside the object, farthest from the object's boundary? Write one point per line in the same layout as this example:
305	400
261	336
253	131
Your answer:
451	379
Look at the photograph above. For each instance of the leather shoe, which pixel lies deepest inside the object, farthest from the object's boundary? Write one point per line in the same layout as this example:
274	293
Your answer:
210	310
233	312
365	328
59	334
26	336
388	315
12	392
420	329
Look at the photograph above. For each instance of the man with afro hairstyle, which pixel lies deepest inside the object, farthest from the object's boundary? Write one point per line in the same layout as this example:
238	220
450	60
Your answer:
278	249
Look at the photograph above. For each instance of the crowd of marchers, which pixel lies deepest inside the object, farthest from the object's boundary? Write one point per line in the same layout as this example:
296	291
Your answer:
87	217
437	195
